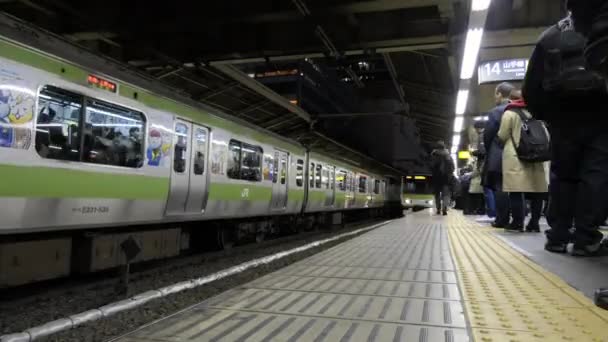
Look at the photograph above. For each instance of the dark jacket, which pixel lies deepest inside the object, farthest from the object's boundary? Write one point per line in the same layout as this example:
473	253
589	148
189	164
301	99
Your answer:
549	107
442	167
493	163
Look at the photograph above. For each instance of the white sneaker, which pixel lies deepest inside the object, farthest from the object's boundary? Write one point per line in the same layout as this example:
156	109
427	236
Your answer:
484	219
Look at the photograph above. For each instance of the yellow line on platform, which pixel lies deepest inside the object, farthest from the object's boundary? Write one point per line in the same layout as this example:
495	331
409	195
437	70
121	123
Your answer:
509	298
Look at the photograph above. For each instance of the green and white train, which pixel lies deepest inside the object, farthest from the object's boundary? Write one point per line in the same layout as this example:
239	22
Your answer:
87	160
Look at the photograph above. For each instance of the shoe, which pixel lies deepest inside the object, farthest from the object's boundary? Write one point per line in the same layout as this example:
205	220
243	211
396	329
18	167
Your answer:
533	228
438	212
597	249
556	247
515	228
445	213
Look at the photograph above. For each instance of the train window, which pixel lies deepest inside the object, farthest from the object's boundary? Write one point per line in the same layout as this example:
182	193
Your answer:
311	176
113	135
362	184
300	172
283	169
342	180
58	124
275	167
199	151
318	174
234	159
376	186
332	179
268	167
181	147
251	166
383	188
325	177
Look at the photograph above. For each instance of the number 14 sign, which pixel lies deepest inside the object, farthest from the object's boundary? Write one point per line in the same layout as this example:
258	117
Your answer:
502	70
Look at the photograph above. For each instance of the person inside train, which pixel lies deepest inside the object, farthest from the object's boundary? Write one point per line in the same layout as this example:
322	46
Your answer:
442	168
521	179
560	90
492	170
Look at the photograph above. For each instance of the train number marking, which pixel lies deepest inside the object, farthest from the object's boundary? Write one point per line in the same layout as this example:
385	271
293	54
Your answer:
245	193
85	210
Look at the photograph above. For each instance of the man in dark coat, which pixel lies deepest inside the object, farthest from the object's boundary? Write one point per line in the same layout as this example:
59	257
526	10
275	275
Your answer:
591	20
443	169
492	173
577	121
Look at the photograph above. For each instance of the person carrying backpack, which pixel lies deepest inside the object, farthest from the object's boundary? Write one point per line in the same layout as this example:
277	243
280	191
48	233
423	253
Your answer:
442	168
573	101
526	146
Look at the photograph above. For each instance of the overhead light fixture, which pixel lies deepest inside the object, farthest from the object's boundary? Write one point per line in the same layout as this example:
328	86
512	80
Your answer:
461	101
480	5
458	123
456	141
471	52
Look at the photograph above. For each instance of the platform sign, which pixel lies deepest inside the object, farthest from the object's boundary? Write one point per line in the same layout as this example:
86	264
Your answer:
502	70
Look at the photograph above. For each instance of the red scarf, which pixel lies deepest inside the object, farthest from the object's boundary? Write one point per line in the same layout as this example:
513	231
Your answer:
516	104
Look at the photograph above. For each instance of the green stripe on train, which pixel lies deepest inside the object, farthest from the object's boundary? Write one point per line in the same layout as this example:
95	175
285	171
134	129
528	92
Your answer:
419	196
48	182
239	192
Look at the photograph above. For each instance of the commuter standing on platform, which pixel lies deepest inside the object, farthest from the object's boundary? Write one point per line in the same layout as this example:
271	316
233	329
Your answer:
492	171
443	169
573	100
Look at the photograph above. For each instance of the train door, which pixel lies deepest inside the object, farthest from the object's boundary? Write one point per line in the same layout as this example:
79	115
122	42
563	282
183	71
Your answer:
330	191
197	191
180	176
279	185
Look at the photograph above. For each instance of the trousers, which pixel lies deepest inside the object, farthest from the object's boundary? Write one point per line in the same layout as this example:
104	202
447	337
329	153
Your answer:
442	197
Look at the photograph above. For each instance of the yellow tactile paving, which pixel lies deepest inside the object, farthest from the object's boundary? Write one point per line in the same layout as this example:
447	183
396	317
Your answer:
509	298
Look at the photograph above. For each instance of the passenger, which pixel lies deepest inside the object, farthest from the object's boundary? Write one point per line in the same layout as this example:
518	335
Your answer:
591	19
578	124
479	152
520	179
492	171
443	169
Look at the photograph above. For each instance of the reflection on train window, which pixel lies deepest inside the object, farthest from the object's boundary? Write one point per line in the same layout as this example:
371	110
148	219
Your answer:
244	161
275	167
341	178
234	159
319	176
311	176
283	169
251	166
58	124
376	186
362	184
112	135
268	171
199	151
300	172
325	178
181	147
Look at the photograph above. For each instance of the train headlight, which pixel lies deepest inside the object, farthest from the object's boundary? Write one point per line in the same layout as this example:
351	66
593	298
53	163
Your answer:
430	202
408	201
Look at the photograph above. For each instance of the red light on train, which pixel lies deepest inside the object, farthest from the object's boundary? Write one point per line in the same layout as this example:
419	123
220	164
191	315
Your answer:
101	83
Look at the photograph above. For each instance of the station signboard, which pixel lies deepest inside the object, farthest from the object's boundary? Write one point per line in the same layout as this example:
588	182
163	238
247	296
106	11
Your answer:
502	70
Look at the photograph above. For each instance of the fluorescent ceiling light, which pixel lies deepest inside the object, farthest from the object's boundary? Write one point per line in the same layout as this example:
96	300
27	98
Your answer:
461	101
456	141
480	5
471	52
458	123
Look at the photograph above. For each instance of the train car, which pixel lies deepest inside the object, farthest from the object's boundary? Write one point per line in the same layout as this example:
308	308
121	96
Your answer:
88	161
418	192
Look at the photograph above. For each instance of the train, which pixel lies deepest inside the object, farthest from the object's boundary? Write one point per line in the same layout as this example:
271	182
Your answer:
418	192
88	161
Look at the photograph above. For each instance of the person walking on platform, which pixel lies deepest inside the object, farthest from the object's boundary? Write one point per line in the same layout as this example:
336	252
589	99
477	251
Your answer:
492	171
443	169
521	179
573	100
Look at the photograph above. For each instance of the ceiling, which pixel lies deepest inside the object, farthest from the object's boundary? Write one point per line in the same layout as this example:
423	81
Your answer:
208	51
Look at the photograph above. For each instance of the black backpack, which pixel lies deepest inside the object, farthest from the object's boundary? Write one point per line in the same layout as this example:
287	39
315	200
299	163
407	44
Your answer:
565	71
535	142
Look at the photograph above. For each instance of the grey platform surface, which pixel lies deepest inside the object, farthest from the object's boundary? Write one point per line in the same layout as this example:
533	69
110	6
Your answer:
394	283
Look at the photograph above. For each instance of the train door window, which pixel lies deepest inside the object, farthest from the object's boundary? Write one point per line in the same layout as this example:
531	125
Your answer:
251	166
199	150
113	135
58	124
325	178
311	176
284	168
383	187
362	184
341	178
180	148
300	172
376	186
234	159
268	167
275	167
332	179
318	174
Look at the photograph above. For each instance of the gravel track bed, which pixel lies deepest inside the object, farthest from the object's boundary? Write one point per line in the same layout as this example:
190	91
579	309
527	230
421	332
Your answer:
74	296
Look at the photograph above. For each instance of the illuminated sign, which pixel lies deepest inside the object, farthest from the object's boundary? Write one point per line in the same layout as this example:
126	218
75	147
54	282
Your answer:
101	83
502	70
420	178
464	155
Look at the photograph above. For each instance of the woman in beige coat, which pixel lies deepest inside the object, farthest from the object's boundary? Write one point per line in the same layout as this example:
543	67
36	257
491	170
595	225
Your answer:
520	178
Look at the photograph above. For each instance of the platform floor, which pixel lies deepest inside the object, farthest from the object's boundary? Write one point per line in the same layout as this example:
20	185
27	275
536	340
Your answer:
421	278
